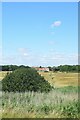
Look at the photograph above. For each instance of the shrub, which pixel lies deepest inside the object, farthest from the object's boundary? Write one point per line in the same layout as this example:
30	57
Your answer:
25	79
71	110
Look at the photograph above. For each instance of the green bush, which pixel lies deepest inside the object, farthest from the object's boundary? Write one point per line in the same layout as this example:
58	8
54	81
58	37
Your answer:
71	109
25	79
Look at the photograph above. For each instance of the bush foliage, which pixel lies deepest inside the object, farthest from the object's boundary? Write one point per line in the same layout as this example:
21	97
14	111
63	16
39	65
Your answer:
25	79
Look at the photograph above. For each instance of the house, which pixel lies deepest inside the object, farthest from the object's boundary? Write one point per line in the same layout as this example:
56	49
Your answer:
44	69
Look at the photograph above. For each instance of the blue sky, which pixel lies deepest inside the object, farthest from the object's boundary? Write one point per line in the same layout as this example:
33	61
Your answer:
37	34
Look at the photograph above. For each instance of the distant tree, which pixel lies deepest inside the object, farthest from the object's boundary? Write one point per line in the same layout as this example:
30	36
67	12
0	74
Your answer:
0	68
55	69
40	67
5	68
21	66
50	68
61	68
69	68
13	67
27	67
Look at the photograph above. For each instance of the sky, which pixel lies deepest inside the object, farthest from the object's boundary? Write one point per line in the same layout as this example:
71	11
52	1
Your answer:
39	0
40	34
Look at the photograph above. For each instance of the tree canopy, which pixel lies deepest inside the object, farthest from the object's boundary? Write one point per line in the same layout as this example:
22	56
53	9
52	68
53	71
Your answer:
25	79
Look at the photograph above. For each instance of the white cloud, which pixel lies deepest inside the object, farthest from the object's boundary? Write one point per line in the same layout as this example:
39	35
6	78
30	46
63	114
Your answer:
25	54
57	59
56	24
9	59
23	51
51	58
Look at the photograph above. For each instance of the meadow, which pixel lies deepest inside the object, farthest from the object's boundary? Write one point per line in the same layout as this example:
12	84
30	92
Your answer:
57	79
2	74
61	102
61	79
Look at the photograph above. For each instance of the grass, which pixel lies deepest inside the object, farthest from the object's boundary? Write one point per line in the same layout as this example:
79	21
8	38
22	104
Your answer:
57	79
3	74
62	102
59	103
61	79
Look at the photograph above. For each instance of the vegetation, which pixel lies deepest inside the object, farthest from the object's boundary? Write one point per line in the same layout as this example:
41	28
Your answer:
12	67
58	103
62	102
25	79
61	68
69	68
66	68
56	79
61	79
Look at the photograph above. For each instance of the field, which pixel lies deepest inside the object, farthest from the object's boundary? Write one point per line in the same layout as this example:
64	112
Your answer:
61	79
61	102
58	79
3	74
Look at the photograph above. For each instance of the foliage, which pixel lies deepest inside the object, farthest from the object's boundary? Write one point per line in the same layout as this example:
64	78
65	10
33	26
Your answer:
65	68
25	79
12	67
55	104
61	68
69	68
71	109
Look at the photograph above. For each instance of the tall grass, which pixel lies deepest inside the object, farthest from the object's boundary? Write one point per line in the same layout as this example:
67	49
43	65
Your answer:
59	103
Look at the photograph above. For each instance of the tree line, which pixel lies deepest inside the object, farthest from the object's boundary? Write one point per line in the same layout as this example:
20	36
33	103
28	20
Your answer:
12	67
61	68
66	68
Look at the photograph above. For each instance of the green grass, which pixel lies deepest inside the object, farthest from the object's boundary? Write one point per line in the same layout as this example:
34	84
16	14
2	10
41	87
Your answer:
59	103
62	102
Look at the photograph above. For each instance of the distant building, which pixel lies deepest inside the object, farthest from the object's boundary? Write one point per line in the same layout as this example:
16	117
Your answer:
44	69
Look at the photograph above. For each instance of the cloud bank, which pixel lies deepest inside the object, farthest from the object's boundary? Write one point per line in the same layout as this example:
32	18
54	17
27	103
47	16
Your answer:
47	59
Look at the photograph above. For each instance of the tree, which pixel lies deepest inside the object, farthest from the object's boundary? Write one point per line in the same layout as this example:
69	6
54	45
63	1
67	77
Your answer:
40	67
25	79
50	68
